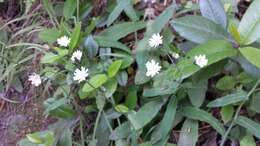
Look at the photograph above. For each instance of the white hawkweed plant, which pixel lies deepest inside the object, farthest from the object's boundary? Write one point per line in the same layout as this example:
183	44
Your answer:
104	70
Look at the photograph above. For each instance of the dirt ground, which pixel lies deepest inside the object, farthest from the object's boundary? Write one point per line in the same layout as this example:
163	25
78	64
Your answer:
17	120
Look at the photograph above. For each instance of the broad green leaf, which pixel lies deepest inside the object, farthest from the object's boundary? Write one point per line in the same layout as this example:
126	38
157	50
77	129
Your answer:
252	126
103	132
142	54
61	111
125	29
199	29
248	67
214	50
92	47
122	78
110	42
66	138
189	133
54	104
197	92
26	142
229	99
121	6
249	26
131	98
69	8
111	86
227	113
226	83
251	54
161	90
214	10
115	13
160	135
45	138
255	102
49	35
122	131
201	115
114	68
94	82
75	37
130	11
121	108
50	58
145	114
247	140
233	29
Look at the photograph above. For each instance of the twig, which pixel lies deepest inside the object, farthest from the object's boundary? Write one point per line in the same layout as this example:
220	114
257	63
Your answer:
237	114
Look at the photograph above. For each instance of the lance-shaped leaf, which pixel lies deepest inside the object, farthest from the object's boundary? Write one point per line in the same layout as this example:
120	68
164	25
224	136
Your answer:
199	29
249	26
252	126
214	10
201	115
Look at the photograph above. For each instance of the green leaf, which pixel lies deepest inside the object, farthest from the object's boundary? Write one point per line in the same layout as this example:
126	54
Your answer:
69	8
145	114
45	138
111	86
226	83
122	78
92	46
75	37
160	135
227	113
247	140
114	68
201	115
50	58
66	138
229	99
214	10
189	133
143	48
122	131
121	108
214	50
95	82
255	102
252	126
131	98
199	29
251	54
249	26
197	92
161	90
122	6
110	42
125	29
49	35
115	13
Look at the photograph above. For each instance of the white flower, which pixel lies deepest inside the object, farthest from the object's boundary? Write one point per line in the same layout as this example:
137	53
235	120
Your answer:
155	40
201	60
175	55
76	55
63	41
80	74
152	1
153	68
35	79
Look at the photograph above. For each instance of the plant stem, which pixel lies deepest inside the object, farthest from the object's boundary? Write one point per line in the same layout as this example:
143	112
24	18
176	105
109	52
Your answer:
82	132
96	124
237	113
